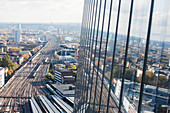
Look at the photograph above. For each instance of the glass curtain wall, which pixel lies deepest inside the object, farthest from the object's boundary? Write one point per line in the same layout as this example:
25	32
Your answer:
124	62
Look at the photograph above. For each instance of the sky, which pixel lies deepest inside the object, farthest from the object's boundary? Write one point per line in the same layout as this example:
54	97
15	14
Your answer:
41	11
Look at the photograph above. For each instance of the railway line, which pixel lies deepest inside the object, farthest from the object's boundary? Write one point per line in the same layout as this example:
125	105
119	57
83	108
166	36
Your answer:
15	95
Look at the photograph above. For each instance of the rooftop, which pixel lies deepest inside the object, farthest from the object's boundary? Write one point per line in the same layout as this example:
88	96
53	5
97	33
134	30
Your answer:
63	70
64	89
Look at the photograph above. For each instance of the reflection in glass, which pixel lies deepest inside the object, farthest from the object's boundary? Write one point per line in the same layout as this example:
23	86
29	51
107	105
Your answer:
125	63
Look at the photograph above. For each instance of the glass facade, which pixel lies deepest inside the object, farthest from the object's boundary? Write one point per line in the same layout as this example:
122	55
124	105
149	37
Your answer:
124	62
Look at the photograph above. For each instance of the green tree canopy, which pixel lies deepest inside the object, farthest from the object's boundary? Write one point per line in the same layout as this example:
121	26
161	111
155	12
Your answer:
149	77
7	62
130	74
116	71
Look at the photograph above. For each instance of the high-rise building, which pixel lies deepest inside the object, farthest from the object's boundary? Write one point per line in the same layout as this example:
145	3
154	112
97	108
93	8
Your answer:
124	57
17	34
2	77
17	37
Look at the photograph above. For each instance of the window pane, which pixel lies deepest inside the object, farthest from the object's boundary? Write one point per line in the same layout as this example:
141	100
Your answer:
155	94
135	57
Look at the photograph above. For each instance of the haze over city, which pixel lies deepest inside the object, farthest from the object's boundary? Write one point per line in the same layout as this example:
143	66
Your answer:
41	11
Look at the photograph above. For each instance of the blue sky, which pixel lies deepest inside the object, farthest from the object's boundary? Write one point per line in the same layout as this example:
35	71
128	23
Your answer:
41	11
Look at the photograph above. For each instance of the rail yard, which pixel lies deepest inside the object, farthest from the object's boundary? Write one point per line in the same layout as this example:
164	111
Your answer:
27	82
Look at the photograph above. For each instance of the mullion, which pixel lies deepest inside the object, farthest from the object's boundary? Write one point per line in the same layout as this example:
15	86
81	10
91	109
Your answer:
126	53
85	45
113	56
107	37
88	42
95	51
77	78
91	53
146	56
101	39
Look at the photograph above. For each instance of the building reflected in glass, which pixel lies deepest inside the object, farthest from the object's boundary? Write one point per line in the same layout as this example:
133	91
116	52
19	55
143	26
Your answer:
124	57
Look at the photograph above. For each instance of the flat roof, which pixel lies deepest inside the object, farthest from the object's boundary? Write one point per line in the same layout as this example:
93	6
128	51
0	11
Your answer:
63	86
63	70
64	89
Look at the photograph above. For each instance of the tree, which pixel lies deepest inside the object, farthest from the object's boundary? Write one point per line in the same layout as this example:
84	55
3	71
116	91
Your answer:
109	59
67	65
7	62
38	48
57	56
32	52
14	49
9	72
15	66
129	73
50	77
74	67
149	77
53	70
62	40
0	61
26	56
116	71
163	81
4	38
108	74
75	72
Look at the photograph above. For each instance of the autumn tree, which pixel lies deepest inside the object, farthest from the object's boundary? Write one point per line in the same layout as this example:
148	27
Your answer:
163	81
15	66
14	49
4	38
50	77
26	56
38	48
57	56
9	72
74	67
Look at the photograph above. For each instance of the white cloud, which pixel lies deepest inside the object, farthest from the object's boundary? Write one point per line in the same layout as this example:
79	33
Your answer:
55	11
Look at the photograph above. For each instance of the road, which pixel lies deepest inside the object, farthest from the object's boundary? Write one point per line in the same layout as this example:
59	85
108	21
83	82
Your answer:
15	95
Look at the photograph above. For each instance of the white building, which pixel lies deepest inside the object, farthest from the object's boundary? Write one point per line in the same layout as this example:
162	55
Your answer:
2	77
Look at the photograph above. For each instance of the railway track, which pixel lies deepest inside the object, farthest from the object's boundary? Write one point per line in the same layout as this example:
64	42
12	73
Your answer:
15	95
